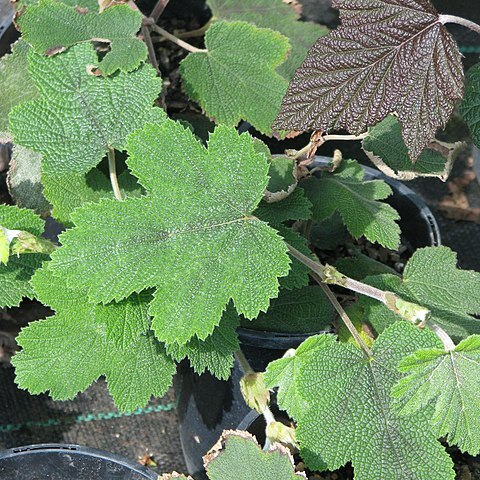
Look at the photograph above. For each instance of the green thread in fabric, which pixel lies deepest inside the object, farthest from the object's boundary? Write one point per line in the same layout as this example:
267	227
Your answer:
470	49
90	417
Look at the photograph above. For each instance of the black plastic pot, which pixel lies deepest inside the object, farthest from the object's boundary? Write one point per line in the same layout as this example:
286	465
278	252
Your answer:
8	35
68	462
207	406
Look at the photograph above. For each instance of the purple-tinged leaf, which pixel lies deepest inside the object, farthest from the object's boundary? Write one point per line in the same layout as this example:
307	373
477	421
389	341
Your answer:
387	56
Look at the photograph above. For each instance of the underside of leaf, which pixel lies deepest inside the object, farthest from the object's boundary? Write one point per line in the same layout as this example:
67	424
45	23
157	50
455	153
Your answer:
387	56
386	149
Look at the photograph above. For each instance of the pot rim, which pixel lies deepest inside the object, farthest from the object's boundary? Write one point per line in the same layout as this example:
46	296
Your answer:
79	450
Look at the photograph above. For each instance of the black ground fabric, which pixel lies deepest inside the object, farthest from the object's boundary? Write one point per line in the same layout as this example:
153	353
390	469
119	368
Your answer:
92	420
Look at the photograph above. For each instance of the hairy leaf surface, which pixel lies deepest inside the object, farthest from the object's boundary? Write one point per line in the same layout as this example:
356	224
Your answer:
431	279
65	353
70	191
285	374
235	79
15	275
237	456
92	5
79	116
350	415
215	353
51	27
470	107
385	147
295	206
451	379
277	15
357	200
302	310
193	236
16	85
387	56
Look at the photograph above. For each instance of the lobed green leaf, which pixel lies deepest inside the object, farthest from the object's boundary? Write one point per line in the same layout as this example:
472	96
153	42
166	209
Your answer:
451	380
192	237
235	78
51	27
79	116
350	415
357	200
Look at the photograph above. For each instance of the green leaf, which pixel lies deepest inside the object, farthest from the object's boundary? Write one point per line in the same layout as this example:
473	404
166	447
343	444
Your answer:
79	116
16	85
283	179
470	107
431	279
65	353
215	353
237	456
200	254
15	276
385	147
92	5
174	476
70	191
294	207
284	374
360	266
451	379
329	233
350	415
235	79
303	310
24	180
357	200
127	321
51	27
277	15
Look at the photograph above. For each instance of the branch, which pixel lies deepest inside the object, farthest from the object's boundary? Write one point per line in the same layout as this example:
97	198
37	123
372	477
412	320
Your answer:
412	312
444	19
317	140
151	49
343	315
176	40
113	173
158	9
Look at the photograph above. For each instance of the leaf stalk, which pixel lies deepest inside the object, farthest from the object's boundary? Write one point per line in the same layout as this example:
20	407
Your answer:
113	173
444	19
176	40
343	315
443	336
416	314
